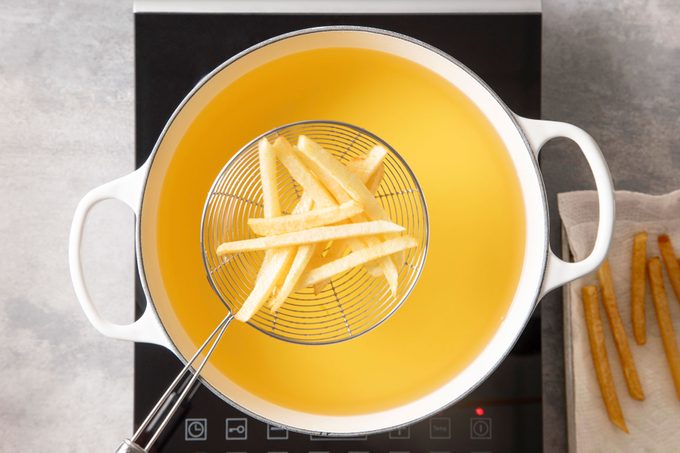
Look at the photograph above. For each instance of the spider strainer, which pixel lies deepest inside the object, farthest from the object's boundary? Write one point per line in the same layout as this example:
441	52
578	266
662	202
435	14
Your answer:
354	302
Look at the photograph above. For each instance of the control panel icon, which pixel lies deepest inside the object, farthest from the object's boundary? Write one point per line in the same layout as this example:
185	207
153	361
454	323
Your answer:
440	428
276	433
237	428
480	428
401	433
195	429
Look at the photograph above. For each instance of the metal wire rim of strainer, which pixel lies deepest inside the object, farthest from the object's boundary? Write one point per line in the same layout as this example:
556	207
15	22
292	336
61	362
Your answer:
354	302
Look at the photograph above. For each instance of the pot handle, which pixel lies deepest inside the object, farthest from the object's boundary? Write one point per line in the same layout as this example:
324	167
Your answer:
127	189
558	272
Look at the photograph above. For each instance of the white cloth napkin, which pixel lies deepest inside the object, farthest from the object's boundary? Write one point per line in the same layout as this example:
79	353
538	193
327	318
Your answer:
654	423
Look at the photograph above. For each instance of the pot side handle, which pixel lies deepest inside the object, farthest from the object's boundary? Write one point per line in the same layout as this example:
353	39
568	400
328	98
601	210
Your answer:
127	189
558	272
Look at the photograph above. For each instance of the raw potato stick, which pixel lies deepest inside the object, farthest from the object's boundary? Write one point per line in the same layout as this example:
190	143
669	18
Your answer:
332	172
671	262
337	179
374	181
366	166
356	258
638	280
312	235
340	181
275	262
335	251
309	182
270	194
297	268
271	272
360	167
598	350
620	339
663	316
300	173
304	221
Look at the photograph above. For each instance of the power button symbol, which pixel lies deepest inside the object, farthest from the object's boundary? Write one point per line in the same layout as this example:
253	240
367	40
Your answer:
480	428
195	429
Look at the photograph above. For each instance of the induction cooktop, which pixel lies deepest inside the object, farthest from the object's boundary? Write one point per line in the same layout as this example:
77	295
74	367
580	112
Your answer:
177	43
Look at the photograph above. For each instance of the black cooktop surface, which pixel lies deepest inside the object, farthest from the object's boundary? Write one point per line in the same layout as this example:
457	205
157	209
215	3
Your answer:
173	52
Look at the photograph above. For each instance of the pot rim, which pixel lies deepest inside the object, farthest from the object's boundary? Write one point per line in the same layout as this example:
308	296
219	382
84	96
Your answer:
342	28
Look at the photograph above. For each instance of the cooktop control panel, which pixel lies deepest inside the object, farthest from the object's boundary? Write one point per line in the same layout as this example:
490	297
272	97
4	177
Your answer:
499	416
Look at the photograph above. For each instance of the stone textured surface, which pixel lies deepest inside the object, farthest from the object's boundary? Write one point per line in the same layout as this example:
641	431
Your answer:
612	68
66	125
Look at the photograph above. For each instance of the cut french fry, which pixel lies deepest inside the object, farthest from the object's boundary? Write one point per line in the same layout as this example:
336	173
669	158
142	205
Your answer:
368	165
275	262
374	169
324	165
671	262
344	185
357	258
374	181
603	371
339	220
302	174
620	339
297	268
337	250
332	172
266	280
304	205
311	219
312	235
638	281
267	156
663	316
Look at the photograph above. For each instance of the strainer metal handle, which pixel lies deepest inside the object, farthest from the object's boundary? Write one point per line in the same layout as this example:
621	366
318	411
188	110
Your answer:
233	199
167	405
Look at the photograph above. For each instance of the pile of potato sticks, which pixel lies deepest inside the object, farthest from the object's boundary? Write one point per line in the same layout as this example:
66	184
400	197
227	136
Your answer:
642	269
337	224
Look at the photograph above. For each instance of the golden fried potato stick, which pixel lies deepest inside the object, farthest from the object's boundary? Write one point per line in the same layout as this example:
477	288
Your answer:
671	262
638	280
312	235
304	221
663	316
620	339
598	350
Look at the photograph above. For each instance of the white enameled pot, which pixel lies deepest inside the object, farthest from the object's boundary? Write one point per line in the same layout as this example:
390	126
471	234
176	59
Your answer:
523	138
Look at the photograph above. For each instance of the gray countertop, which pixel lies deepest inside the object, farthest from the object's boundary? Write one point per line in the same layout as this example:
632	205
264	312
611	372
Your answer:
66	125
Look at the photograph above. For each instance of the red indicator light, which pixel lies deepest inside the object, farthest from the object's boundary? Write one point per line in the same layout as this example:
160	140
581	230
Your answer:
479	411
